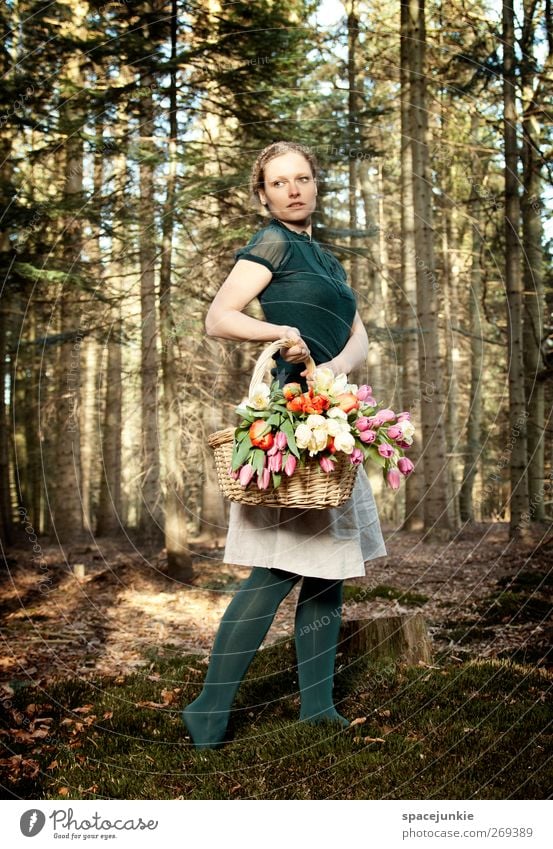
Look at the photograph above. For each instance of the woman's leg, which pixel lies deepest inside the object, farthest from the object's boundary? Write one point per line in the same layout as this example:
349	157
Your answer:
317	627
244	624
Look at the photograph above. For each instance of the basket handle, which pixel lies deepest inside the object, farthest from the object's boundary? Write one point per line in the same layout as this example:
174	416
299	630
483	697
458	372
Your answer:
267	354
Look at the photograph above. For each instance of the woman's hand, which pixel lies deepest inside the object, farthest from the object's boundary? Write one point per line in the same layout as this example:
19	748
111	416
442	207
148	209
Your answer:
299	351
334	365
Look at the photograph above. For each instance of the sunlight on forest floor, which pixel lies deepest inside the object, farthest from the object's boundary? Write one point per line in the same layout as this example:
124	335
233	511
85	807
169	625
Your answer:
125	608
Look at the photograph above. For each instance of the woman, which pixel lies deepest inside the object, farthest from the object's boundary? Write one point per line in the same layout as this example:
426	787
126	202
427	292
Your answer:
293	277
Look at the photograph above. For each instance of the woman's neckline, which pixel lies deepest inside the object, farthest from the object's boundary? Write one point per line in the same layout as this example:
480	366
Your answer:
303	233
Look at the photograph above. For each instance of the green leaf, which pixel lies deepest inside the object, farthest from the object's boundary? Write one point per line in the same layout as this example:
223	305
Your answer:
277	478
275	419
240	434
374	455
287	428
241	451
258	460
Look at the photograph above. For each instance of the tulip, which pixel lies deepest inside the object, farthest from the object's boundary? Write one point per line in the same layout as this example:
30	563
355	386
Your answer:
246	474
362	423
367	436
326	464
394	431
393	478
234	475
385	416
263	481
364	392
405	466
385	450
404	416
275	462
290	465
281	440
290	390
260	434
259	397
344	441
347	401
356	457
330	445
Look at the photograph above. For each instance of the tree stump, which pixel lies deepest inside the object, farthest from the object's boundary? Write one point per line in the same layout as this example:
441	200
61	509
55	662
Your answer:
403	638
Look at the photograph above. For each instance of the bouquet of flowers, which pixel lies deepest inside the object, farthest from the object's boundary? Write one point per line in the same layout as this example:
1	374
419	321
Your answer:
282	429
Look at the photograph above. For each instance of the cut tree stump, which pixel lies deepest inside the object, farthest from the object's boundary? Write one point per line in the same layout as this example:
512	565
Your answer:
403	638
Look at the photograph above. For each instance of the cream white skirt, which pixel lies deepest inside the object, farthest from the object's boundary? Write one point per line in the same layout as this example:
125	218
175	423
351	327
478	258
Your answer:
331	543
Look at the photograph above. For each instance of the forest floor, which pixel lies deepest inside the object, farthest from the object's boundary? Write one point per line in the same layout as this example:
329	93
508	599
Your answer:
481	595
101	649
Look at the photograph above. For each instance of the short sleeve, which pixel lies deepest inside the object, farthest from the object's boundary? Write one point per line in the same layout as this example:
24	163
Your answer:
269	247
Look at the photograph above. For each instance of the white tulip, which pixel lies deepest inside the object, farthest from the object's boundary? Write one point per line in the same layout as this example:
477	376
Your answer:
315	420
302	435
344	441
259	397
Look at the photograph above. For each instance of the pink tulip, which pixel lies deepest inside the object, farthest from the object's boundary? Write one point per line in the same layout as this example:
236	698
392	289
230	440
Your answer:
326	464
290	465
405	466
401	444
385	450
394	431
356	457
402	416
367	436
275	462
272	450
264	478
281	440
384	416
246	474
393	478
364	392
234	475
362	423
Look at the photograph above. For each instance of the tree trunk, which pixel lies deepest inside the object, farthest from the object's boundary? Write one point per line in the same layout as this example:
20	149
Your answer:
410	385
66	490
435	493
353	138
179	560
473	447
513	282
109	518
151	519
532	234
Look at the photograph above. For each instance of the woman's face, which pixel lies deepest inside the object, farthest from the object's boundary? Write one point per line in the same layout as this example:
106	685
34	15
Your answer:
290	191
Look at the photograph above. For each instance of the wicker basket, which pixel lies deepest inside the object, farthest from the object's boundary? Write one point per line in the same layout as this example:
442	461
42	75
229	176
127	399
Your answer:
308	487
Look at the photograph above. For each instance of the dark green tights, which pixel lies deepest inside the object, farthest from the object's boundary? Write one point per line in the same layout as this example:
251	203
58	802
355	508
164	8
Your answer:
241	631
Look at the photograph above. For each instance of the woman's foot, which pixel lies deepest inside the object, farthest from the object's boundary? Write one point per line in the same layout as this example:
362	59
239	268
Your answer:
328	715
206	730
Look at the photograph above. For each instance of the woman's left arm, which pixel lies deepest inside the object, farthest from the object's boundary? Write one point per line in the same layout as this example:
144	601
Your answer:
353	354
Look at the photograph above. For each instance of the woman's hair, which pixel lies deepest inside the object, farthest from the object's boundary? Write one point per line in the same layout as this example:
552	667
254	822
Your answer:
257	179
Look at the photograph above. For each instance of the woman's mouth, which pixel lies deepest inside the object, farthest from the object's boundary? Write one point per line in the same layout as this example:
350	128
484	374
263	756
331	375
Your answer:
295	204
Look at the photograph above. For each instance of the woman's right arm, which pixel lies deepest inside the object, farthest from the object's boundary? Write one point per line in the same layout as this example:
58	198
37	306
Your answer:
226	320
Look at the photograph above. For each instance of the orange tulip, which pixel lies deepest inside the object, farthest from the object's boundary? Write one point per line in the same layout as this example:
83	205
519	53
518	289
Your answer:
290	390
260	434
347	402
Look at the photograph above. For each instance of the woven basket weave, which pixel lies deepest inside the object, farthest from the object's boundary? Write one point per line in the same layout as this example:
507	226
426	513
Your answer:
308	487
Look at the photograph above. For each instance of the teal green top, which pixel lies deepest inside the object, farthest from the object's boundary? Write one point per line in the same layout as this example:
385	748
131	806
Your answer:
308	290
